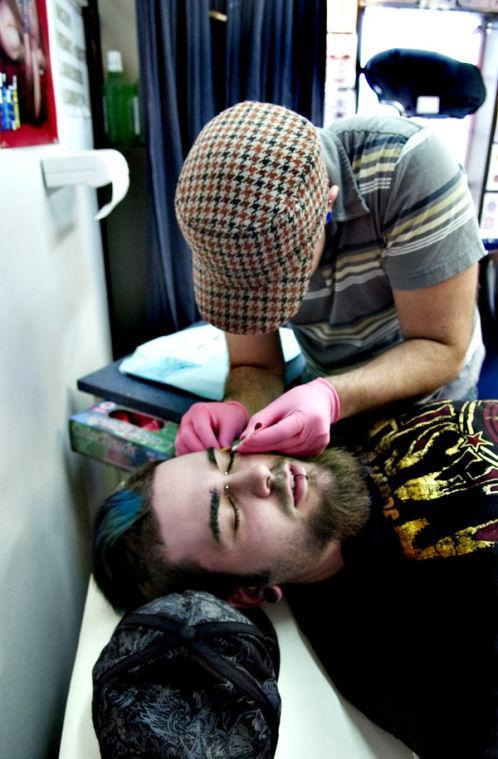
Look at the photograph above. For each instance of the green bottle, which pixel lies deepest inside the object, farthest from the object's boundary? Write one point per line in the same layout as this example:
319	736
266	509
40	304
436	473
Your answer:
118	107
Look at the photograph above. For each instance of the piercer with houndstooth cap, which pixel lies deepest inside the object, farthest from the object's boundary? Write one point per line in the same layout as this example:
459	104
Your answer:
380	291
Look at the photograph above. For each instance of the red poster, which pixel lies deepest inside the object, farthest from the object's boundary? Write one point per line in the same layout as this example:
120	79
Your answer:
27	105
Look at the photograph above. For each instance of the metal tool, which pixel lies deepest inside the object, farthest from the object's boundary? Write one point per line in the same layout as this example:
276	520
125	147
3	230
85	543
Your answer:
235	445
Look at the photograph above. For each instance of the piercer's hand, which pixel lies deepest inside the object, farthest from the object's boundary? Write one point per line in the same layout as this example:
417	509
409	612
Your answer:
298	422
210	425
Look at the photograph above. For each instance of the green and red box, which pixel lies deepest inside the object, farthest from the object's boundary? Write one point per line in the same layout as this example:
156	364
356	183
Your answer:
121	436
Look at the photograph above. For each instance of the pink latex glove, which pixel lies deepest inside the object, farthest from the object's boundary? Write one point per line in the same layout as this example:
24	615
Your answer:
210	425
297	423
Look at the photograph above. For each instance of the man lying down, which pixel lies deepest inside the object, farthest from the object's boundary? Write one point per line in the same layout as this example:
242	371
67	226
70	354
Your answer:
385	548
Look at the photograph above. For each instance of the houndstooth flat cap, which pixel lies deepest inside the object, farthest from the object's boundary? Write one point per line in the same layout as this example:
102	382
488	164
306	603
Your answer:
251	202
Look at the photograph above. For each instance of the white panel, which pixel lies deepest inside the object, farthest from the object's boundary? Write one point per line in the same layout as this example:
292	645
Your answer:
54	328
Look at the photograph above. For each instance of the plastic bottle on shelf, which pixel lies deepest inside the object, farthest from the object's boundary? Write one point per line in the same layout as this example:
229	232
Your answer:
119	105
136	114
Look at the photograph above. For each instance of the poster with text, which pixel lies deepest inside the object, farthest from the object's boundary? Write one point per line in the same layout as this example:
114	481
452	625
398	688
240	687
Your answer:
27	104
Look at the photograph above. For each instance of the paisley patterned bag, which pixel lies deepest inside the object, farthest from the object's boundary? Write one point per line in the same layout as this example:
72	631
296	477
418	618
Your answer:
188	675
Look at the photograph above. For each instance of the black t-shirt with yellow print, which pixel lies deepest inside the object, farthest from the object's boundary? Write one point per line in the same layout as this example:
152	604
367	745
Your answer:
408	629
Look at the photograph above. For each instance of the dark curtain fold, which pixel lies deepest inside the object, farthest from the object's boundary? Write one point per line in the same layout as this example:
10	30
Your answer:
192	67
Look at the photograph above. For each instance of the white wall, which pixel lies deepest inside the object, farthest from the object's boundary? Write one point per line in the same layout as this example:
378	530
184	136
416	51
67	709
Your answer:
53	329
118	32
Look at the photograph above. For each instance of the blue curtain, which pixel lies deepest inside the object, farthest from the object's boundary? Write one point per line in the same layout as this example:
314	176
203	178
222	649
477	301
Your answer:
192	66
275	53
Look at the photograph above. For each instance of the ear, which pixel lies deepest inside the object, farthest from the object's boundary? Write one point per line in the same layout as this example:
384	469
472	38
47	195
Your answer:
254	596
332	195
246	598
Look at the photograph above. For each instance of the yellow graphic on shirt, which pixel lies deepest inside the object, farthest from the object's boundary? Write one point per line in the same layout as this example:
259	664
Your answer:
437	471
457	544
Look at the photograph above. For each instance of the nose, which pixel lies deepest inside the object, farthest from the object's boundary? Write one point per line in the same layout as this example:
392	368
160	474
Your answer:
255	480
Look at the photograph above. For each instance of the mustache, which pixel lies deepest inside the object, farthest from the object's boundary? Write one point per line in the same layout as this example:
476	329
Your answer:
280	485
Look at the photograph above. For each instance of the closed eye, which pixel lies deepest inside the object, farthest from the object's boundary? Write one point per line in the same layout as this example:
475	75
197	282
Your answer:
236	512
212	458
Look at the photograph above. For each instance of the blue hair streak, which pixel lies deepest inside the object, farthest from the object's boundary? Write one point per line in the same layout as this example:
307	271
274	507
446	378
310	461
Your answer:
120	512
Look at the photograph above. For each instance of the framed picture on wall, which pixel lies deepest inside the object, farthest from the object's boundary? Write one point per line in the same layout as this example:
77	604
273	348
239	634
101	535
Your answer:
27	104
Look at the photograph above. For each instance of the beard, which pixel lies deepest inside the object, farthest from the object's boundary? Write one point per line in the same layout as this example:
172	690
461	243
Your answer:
345	504
341	510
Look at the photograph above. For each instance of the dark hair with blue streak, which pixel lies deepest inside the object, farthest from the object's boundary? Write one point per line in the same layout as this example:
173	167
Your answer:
129	557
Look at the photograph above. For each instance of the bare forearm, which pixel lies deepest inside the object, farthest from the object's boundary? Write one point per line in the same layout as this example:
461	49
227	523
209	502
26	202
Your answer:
411	369
253	386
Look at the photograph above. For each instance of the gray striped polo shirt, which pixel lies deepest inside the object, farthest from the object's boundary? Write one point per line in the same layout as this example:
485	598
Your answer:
404	219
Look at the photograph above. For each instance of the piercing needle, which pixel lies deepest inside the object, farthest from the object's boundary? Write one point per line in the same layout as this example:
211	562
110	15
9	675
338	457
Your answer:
236	444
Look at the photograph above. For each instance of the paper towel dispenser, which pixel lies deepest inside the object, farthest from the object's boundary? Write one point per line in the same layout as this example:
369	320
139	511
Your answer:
94	168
